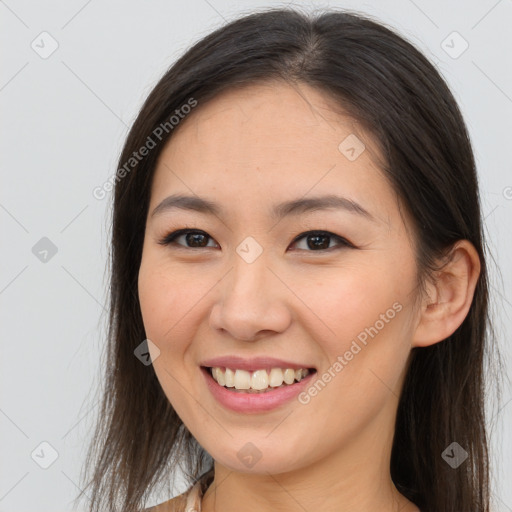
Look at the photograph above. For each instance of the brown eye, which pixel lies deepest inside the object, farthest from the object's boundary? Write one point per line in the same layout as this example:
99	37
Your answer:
193	238
318	241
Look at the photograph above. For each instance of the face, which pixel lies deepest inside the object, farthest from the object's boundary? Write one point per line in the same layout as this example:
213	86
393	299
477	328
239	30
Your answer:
328	289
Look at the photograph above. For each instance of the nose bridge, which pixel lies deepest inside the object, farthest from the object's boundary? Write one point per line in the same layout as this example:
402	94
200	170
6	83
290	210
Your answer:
249	302
249	276
249	261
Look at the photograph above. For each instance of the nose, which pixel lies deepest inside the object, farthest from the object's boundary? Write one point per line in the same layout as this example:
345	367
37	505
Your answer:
252	302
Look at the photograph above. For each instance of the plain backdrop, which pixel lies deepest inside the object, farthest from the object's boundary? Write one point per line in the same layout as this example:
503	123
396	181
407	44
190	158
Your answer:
73	77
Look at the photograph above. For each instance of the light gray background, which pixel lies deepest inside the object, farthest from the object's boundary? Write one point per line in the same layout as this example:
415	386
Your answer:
64	119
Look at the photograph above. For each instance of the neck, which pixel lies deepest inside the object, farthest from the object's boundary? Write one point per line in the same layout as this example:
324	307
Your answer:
355	478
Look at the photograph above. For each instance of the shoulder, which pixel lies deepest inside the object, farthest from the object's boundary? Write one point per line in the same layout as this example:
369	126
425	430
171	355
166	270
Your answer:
176	504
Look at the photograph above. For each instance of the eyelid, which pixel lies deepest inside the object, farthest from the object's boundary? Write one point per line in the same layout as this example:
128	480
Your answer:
342	241
169	238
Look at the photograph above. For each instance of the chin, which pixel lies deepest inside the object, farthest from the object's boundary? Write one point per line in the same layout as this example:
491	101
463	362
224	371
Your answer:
260	461
273	467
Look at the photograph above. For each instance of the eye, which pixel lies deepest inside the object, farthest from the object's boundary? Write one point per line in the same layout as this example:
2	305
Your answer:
316	241
196	238
319	241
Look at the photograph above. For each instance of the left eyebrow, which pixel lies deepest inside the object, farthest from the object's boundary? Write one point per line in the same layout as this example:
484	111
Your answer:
278	211
327	202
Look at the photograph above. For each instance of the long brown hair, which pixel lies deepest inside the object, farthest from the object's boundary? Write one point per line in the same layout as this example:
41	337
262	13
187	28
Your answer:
386	84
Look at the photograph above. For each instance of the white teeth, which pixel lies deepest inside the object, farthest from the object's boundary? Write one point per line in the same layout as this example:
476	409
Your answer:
258	380
242	379
229	376
276	377
220	377
289	376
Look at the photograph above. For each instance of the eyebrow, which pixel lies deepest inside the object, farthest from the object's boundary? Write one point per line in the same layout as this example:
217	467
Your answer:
287	208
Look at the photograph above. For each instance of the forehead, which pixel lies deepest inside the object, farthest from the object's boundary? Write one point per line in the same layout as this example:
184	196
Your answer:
275	114
271	140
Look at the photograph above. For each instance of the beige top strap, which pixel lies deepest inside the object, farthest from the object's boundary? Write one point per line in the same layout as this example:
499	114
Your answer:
196	493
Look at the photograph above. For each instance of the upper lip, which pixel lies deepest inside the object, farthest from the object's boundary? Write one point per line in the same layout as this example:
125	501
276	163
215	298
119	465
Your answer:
252	364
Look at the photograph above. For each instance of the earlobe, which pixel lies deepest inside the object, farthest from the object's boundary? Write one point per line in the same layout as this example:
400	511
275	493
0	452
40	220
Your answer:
450	297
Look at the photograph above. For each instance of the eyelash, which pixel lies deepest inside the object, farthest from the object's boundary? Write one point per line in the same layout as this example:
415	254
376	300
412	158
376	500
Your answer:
171	237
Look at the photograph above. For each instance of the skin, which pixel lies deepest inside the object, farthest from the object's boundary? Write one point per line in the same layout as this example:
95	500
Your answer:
248	149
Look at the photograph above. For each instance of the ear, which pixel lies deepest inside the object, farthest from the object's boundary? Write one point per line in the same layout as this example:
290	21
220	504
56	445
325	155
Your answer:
450	297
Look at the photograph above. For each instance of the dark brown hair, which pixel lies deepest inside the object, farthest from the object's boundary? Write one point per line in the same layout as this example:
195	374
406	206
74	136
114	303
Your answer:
390	87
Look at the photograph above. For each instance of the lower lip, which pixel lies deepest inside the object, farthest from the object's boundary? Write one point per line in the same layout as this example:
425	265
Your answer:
254	402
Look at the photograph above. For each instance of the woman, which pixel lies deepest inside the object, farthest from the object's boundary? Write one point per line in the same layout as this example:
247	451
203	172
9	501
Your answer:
297	249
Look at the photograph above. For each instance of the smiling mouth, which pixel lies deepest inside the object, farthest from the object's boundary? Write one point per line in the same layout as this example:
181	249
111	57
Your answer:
259	381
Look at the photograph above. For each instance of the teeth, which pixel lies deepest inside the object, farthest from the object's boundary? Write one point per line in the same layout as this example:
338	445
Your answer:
289	376
258	380
276	377
220	377
229	377
242	379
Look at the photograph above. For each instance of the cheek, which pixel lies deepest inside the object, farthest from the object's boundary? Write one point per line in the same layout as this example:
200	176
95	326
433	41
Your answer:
347	301
167	313
164	294
172	303
361	321
163	302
